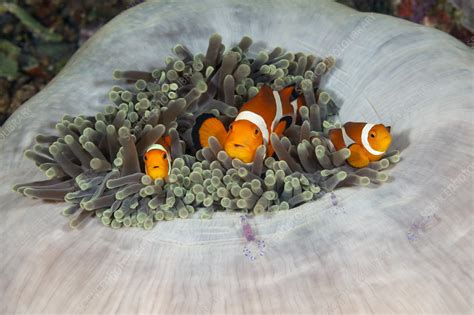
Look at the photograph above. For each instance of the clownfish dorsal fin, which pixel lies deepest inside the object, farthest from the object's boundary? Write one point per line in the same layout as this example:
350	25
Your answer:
266	93
165	141
287	93
266	89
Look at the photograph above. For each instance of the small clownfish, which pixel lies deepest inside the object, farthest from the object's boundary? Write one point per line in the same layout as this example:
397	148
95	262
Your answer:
269	111
367	142
157	159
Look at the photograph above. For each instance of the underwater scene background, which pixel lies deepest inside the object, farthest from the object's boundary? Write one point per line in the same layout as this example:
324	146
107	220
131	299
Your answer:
404	246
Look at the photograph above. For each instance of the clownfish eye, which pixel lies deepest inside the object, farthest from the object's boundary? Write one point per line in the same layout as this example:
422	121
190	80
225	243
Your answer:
165	156
256	131
144	157
372	134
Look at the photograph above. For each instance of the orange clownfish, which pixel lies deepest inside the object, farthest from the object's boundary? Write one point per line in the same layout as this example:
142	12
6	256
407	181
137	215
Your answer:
367	142
157	159
269	111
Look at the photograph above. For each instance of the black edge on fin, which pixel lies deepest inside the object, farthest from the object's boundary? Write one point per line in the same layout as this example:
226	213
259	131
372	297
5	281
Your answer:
299	120
294	95
288	120
197	126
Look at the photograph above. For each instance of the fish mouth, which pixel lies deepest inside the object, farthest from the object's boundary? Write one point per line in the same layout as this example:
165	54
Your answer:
239	151
236	147
156	172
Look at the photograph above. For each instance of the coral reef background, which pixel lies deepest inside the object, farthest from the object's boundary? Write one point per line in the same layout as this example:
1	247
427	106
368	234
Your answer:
38	37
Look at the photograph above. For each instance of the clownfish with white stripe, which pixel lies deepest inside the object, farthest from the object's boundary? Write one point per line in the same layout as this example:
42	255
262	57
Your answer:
269	111
367	142
157	159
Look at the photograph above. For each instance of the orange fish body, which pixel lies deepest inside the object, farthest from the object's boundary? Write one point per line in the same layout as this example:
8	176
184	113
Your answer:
269	111
367	142
157	159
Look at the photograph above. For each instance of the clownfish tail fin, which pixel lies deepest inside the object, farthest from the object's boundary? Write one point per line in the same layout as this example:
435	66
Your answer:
206	126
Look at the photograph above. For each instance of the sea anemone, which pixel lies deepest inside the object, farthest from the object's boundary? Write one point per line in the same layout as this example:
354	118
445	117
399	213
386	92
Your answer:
94	163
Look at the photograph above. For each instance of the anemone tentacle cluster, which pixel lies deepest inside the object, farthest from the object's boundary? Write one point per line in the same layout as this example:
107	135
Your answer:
94	163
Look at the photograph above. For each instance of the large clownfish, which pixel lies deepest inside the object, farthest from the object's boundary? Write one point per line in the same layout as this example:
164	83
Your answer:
367	142
157	159
269	111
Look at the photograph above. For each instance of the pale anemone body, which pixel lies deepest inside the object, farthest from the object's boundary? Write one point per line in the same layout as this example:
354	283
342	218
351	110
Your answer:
403	247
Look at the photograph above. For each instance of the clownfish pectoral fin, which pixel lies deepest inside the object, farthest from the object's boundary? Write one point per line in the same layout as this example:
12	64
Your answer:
206	126
358	159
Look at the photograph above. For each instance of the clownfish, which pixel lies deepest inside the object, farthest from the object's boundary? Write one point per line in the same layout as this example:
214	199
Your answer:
157	159
269	111
367	142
